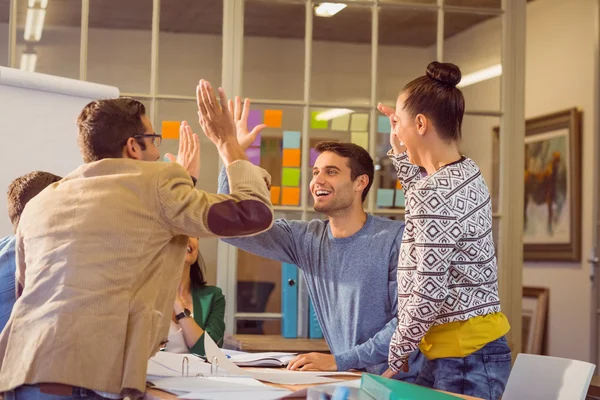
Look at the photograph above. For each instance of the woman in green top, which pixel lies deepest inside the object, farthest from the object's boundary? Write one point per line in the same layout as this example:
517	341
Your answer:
198	308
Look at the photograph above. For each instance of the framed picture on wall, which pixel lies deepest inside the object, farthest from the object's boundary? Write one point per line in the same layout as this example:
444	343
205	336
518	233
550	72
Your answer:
534	317
552	181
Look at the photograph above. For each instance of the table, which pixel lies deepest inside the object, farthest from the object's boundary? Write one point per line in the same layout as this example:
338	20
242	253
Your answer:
155	394
267	343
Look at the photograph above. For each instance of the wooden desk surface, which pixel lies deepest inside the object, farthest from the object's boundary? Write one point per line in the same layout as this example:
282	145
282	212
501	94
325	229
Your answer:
262	343
155	394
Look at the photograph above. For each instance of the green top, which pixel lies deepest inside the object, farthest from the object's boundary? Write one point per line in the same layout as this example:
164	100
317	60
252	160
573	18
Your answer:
209	314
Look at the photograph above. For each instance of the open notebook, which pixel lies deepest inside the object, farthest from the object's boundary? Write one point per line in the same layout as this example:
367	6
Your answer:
271	359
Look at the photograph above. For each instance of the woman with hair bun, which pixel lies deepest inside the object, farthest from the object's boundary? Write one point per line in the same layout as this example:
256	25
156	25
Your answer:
448	302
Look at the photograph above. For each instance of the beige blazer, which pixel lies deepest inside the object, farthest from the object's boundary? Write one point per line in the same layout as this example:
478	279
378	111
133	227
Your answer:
99	255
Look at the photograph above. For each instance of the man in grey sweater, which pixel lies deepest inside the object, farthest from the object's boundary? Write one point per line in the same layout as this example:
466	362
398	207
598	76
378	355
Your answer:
349	261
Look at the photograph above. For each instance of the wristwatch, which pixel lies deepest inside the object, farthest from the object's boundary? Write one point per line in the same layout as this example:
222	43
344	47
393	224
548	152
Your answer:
184	314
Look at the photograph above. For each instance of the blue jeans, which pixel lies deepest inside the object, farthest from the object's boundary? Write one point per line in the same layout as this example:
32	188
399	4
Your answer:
482	374
33	392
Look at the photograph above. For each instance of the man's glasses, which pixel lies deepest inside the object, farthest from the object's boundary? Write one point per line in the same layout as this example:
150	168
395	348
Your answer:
156	139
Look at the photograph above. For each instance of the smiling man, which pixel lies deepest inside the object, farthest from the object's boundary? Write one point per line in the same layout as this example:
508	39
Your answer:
349	261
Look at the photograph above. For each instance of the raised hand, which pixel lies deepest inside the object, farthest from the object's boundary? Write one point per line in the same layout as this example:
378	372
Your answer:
397	145
188	155
214	116
240	116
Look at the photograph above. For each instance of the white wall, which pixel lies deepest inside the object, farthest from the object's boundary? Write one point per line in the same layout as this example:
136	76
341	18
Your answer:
559	75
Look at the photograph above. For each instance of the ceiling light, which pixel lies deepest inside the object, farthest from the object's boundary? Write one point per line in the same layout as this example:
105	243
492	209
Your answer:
332	113
328	9
481	75
43	3
34	24
28	61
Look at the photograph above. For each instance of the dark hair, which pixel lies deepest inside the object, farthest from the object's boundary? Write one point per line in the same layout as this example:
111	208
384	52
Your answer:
106	125
197	272
360	161
436	96
25	188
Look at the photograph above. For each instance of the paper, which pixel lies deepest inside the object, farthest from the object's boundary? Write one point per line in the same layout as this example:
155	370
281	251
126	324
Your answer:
360	122
165	364
275	194
314	124
290	177
257	141
291	139
170	129
314	153
340	123
254	118
383	124
208	384
290	196
361	139
399	202
253	154
273	118
269	394
268	359
284	377
385	197
291	157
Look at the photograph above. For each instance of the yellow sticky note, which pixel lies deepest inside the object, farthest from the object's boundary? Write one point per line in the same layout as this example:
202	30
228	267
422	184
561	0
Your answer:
291	157
360	122
290	196
170	129
273	118
361	139
340	123
275	194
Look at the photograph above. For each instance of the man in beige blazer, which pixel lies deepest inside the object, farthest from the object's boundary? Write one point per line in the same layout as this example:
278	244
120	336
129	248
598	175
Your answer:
100	253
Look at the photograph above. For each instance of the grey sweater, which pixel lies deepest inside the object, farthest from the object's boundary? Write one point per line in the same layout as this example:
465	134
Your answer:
351	281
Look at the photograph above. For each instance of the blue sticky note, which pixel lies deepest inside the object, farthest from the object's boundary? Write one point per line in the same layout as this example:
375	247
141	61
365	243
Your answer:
383	125
385	197
291	139
399	202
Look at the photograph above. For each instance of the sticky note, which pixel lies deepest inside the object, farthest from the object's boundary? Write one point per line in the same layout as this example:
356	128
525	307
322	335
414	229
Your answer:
398	185
254	118
313	156
170	129
291	139
340	123
253	154
360	122
273	118
275	194
314	124
383	124
257	141
291	157
399	202
290	177
385	197
360	138
290	196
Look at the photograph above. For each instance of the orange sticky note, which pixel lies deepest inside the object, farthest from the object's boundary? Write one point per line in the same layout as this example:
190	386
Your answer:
275	193
398	185
273	118
170	129
290	196
291	157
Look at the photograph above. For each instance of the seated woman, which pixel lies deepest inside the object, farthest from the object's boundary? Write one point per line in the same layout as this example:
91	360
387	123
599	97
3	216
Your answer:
198	308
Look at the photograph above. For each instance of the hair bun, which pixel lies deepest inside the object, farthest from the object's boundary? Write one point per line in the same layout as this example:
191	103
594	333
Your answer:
446	73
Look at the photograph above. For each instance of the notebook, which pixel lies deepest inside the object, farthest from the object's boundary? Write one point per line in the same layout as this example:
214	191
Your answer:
272	359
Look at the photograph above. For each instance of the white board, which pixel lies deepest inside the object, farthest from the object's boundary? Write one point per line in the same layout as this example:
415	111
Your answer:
38	116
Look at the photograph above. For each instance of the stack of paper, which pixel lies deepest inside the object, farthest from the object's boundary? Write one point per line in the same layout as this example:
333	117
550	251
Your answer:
273	359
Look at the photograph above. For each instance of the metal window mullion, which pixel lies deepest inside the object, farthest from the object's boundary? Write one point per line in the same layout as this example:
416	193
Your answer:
154	54
371	197
83	45
308	38
12	35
